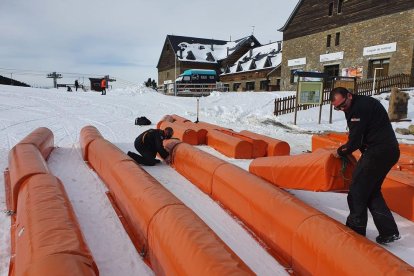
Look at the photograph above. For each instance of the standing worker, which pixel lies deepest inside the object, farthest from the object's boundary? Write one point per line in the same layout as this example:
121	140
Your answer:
371	132
103	86
149	143
76	85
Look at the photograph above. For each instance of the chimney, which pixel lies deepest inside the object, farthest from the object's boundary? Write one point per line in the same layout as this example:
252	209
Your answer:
212	47
279	46
250	52
181	53
227	51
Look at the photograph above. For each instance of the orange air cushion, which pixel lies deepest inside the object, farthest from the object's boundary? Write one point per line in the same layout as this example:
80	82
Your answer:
317	171
47	234
42	139
182	132
259	147
196	165
141	200
25	160
179	118
398	192
275	147
88	135
229	145
281	221
322	246
189	247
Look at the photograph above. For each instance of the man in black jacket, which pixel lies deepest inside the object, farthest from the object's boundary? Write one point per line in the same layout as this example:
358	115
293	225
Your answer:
371	132
148	144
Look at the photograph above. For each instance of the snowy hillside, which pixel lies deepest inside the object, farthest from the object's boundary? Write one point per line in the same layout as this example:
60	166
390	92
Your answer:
24	109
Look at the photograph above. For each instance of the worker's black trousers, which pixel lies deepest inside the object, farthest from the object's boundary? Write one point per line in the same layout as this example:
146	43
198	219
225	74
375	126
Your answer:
147	157
365	191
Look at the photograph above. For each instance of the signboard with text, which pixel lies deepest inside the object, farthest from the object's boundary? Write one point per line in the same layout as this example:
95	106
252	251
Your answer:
380	49
296	62
310	92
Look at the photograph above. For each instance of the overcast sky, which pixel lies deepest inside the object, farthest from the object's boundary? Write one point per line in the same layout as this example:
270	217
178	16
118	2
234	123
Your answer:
121	38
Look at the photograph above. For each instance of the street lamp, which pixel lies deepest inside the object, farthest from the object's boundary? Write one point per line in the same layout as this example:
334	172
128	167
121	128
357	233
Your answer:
375	75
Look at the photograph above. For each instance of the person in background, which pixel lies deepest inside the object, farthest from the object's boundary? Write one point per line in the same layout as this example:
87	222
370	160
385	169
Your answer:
103	86
149	143
371	132
76	85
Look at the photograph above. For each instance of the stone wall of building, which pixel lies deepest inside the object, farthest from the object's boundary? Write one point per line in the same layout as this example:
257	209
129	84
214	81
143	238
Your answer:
251	76
398	27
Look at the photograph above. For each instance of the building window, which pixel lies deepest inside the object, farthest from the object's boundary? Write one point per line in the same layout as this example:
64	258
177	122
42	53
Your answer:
337	37
236	86
330	13
328	41
378	63
264	85
340	3
168	74
331	71
250	86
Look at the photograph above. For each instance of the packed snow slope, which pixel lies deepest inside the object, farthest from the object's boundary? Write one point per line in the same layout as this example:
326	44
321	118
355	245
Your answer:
65	113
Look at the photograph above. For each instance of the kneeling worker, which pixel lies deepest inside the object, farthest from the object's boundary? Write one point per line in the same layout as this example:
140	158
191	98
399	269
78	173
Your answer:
148	144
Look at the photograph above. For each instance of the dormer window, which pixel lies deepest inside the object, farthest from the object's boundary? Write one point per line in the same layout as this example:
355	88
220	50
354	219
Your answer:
190	55
239	67
210	57
252	65
268	63
330	11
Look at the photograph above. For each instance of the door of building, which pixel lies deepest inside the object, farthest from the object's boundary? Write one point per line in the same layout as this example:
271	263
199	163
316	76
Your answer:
331	71
378	63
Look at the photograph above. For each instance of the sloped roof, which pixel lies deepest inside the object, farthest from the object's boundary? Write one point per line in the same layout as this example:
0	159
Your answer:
259	56
295	10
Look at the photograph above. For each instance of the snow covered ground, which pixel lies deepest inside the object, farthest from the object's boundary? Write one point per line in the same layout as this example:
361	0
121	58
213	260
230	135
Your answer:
24	109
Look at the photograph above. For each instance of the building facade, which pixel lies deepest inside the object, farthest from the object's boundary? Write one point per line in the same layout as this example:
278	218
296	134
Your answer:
257	70
180	53
348	38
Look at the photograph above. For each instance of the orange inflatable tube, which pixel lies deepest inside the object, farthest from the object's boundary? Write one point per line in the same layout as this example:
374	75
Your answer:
47	235
275	147
87	135
179	118
181	132
25	161
259	147
317	171
292	230
201	132
329	140
42	138
160	223
228	145
196	165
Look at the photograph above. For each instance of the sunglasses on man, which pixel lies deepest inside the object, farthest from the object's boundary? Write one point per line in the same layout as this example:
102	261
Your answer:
341	105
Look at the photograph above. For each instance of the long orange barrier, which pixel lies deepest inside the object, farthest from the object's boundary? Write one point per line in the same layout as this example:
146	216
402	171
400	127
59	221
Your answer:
181	132
42	138
229	145
294	231
275	147
180	122
316	171
46	237
259	147
25	160
171	237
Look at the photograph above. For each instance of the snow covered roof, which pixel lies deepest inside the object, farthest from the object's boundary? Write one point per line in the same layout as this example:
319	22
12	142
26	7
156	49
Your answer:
266	56
205	50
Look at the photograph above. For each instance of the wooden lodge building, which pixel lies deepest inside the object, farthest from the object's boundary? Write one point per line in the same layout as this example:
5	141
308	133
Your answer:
180	53
257	70
348	38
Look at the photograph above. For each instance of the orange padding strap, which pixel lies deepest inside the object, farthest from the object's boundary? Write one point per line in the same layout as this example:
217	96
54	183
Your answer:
47	235
309	241
176	240
316	171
